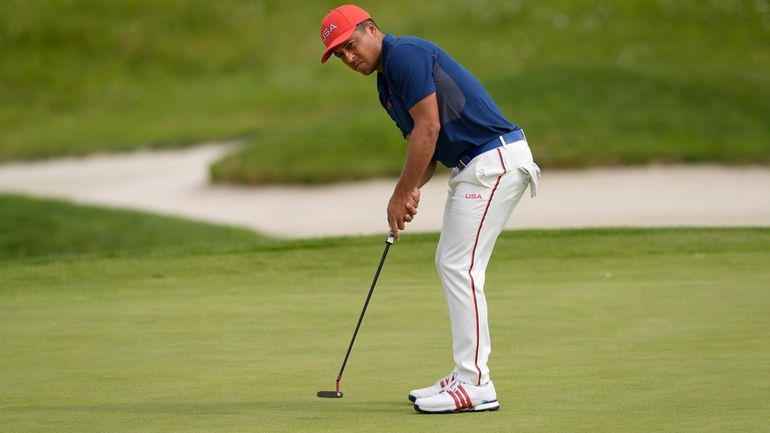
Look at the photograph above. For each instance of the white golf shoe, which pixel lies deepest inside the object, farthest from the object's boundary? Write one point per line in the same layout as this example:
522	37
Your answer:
460	397
434	389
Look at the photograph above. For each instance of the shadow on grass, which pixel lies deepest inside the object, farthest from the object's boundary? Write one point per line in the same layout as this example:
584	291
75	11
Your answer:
223	408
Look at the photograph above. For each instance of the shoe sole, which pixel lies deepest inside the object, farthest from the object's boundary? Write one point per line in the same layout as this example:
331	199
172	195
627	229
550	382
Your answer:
490	406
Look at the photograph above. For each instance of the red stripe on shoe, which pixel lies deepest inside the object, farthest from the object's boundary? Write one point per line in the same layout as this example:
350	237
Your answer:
456	398
462	399
464	393
473	260
463	403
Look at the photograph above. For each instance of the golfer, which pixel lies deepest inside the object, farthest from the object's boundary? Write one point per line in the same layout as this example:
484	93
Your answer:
446	116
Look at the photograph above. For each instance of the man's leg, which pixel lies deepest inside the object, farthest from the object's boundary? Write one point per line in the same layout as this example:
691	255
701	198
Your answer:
480	200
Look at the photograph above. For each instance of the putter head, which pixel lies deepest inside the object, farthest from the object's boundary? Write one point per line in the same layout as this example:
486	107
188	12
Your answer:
329	394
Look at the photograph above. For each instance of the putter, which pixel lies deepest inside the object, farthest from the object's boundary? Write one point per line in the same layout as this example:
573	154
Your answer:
337	393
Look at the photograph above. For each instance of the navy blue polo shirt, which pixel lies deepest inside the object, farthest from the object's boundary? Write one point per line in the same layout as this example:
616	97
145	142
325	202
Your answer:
413	68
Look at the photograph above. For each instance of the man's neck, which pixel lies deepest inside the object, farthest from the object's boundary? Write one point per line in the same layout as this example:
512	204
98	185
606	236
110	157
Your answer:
380	37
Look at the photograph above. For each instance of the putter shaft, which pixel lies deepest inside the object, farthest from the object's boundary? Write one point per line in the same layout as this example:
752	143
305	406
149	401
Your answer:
388	242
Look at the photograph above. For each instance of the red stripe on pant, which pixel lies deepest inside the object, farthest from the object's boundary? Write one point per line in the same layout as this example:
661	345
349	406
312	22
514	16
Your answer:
473	260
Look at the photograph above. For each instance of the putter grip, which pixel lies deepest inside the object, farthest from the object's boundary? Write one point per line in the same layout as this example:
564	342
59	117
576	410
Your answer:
390	238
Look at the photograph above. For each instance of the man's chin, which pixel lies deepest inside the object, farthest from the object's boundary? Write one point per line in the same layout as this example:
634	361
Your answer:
363	70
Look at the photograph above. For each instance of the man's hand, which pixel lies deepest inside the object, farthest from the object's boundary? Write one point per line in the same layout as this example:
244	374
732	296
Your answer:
412	203
398	213
401	210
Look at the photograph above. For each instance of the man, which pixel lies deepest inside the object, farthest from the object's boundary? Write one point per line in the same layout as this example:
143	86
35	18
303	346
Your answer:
446	116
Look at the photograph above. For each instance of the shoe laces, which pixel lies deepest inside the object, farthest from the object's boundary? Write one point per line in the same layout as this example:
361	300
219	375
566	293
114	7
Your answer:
445	382
452	386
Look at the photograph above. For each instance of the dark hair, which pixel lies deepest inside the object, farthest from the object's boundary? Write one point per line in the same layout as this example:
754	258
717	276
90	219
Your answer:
363	24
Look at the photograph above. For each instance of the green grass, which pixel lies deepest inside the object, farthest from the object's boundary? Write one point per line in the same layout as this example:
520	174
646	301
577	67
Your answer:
593	331
592	82
36	228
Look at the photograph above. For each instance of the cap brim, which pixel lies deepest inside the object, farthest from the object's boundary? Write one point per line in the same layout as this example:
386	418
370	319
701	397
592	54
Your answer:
336	43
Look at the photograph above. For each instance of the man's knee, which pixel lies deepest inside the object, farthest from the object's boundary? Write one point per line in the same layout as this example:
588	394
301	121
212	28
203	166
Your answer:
449	264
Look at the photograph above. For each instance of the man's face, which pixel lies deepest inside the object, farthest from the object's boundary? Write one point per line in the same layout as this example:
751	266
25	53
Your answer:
361	52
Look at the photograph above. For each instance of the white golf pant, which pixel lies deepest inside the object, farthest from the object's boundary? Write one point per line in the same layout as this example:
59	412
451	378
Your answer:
480	200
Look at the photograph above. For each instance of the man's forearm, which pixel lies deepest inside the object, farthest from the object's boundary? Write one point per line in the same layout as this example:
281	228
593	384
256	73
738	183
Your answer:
428	174
419	158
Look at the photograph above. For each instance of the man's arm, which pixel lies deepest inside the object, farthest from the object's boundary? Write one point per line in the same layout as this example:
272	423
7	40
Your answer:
419	158
414	197
429	171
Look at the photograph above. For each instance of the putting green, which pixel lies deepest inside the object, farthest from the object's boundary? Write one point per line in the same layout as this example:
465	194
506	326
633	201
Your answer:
593	331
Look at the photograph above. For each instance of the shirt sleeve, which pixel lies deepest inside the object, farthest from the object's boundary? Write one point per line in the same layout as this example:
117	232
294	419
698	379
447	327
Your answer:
410	73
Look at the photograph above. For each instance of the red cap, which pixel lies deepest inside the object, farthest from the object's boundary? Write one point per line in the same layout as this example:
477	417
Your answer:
338	25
